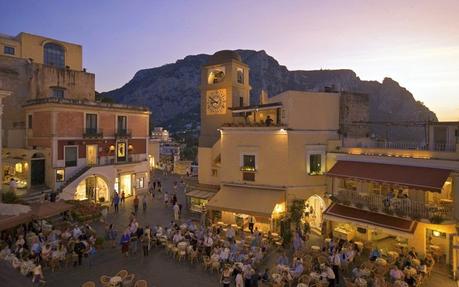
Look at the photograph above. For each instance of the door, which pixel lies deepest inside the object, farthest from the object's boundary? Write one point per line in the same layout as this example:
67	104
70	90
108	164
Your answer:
91	154
37	172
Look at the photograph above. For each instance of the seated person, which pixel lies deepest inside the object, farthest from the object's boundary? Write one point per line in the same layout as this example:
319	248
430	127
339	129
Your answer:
374	254
396	274
297	270
283	259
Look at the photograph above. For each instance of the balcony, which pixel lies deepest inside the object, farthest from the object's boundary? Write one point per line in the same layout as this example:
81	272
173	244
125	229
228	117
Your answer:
92	133
123	134
442	147
401	207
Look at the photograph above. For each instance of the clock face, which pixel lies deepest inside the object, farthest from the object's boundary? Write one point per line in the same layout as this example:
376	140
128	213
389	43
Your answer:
216	75
216	102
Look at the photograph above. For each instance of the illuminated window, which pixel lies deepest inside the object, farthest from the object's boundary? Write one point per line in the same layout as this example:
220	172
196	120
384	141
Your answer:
248	162
315	164
18	167
121	151
54	55
140	182
60	175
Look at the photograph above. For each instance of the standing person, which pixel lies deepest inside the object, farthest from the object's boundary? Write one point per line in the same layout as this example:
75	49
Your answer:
123	198
239	279
125	238
144	203
111	234
116	201
208	242
154	185
251	224
145	240
335	260
166	199
226	277
175	187
176	209
37	275
79	250
91	255
13	185
136	204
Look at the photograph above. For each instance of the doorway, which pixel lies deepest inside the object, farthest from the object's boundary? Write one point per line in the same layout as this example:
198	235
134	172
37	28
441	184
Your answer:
314	208
91	154
37	172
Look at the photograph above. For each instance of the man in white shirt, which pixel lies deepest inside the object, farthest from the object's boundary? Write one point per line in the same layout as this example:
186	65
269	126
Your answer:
208	242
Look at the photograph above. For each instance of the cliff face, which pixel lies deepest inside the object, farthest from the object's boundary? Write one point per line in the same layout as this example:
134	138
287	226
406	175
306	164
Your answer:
172	92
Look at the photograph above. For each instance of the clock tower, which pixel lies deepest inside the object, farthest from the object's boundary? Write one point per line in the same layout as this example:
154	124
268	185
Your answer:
224	84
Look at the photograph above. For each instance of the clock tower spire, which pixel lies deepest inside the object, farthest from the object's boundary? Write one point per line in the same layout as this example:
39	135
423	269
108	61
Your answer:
224	84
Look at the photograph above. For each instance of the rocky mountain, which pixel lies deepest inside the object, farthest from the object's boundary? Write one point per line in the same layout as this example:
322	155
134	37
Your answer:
172	92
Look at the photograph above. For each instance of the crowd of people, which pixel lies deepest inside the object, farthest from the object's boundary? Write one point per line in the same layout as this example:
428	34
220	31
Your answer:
338	262
35	246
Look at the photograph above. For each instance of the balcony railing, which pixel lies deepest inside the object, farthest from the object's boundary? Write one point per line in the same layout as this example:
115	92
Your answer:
450	147
253	125
123	133
401	207
92	133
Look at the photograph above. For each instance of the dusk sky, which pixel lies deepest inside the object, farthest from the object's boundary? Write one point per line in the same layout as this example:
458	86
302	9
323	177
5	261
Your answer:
414	42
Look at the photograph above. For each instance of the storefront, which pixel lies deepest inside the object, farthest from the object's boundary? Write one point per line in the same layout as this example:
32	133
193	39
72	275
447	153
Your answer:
123	183
17	169
388	233
241	205
198	199
314	207
94	188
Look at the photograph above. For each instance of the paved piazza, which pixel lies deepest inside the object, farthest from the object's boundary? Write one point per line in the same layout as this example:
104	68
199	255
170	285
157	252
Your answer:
159	269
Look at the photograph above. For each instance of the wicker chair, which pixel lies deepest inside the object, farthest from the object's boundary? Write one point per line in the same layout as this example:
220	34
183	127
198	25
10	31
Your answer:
181	255
123	274
206	262
129	280
88	284
215	266
141	283
104	280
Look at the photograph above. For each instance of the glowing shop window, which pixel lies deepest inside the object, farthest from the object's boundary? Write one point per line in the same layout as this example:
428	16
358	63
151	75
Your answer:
121	150
18	167
60	175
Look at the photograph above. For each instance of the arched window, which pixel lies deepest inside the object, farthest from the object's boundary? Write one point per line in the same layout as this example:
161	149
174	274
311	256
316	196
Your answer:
54	55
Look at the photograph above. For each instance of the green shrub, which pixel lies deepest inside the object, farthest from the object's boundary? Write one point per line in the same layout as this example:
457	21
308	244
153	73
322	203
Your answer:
9	197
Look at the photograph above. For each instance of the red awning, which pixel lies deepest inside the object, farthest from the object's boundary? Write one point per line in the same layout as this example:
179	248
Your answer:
370	218
425	178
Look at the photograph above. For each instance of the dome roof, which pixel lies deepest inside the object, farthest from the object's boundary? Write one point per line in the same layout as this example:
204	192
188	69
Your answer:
224	56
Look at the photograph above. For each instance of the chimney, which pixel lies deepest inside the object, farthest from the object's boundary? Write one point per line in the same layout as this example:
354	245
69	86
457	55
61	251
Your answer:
263	97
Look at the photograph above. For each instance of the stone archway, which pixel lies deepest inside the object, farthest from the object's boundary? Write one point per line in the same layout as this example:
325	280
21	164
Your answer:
314	208
93	187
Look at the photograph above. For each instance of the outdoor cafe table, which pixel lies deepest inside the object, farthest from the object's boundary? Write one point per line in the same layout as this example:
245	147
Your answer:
115	281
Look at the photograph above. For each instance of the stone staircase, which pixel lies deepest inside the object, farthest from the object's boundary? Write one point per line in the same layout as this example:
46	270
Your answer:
35	194
73	177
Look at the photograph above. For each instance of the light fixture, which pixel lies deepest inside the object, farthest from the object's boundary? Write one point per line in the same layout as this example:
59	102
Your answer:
130	147
436	233
112	147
